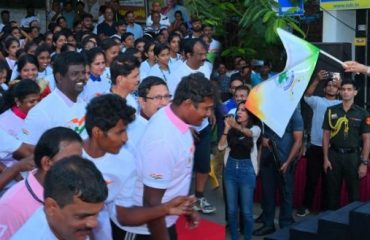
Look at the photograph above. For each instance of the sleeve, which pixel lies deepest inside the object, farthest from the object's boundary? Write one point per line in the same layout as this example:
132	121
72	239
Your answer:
10	221
36	123
311	101
157	161
256	130
365	125
325	123
298	124
8	144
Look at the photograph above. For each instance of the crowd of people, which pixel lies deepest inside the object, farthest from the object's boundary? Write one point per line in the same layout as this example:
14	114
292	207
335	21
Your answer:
103	123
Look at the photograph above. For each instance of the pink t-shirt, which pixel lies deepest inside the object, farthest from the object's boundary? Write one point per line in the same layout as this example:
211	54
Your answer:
17	205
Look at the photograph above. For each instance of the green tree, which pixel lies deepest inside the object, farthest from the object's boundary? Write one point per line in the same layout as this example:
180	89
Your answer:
247	27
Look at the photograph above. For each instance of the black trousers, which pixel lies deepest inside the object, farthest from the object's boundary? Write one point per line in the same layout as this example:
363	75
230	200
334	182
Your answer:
314	169
345	166
119	234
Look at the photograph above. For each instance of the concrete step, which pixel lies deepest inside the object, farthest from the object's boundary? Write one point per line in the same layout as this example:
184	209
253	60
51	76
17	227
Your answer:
359	219
307	229
335	225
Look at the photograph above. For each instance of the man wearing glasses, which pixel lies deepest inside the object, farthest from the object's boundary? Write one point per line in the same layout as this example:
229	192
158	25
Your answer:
153	95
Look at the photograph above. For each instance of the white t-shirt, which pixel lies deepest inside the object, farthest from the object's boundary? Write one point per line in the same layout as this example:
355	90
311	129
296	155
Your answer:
162	74
55	110
52	84
95	88
119	173
11	123
144	69
164	21
132	101
8	144
164	160
135	132
36	226
318	106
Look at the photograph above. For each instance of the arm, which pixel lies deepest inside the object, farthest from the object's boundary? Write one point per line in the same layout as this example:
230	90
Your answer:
297	136
311	89
153	197
355	67
325	148
134	216
222	144
362	170
23	151
8	174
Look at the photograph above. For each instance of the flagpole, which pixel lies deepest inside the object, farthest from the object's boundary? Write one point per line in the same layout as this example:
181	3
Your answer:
333	58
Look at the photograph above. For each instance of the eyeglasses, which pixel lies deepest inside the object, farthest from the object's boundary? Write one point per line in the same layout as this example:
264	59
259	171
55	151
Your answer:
160	97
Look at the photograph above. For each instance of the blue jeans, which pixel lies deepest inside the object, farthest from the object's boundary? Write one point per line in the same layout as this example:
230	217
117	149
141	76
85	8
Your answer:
240	179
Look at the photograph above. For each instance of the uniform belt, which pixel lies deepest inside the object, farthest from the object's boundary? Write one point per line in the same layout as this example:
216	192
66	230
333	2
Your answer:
345	150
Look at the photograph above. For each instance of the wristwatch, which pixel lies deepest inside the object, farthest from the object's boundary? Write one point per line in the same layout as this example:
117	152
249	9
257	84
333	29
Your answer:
365	162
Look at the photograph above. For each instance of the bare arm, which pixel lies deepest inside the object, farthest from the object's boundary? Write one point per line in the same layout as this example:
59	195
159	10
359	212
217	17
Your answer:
297	136
311	89
12	173
362	171
140	215
355	67
153	197
325	148
23	151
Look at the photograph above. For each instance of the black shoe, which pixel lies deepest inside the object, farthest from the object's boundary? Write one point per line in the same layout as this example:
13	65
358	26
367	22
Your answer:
259	219
264	230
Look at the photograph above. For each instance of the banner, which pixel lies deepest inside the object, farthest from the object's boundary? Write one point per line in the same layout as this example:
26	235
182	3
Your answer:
273	101
344	4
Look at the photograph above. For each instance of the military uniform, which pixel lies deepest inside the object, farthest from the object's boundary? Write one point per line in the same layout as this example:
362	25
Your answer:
345	129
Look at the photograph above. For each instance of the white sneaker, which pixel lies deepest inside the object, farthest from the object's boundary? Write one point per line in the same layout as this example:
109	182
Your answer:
204	206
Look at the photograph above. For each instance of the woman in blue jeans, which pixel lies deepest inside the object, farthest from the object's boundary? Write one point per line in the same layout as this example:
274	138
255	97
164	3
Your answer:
240	136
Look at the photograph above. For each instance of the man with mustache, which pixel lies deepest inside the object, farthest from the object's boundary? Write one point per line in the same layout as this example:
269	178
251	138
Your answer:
74	193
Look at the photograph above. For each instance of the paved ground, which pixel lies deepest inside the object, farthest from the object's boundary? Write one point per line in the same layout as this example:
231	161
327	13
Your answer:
215	197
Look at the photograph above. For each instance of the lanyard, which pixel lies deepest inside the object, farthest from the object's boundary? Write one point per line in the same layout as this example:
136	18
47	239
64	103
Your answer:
164	76
33	194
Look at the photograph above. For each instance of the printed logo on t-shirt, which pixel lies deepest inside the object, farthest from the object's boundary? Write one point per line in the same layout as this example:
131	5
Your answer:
25	131
156	176
78	125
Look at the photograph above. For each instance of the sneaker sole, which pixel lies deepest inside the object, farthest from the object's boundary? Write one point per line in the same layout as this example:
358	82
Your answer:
207	211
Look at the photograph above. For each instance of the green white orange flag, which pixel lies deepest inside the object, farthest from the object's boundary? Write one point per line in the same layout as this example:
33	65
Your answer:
273	101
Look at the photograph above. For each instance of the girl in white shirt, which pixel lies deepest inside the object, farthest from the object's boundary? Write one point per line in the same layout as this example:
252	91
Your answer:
146	65
97	84
174	41
42	54
11	48
162	68
20	98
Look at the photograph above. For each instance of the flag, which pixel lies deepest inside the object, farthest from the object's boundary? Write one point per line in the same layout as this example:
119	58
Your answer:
273	101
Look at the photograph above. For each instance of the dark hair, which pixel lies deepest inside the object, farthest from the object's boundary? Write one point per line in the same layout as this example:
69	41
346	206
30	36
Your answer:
128	12
75	176
50	142
131	51
235	79
66	59
42	48
123	65
242	87
20	90
80	3
147	46
106	111
59	19
159	48
172	36
195	87
57	35
92	54
147	83
139	40
4	12
119	23
47	33
24	59
190	43
350	82
29	45
108	43
126	35
87	15
9	41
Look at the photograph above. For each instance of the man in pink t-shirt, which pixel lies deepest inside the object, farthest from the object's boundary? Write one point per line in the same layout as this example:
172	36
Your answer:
25	197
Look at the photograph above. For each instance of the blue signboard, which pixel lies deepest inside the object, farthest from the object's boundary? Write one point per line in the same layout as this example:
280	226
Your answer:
287	8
